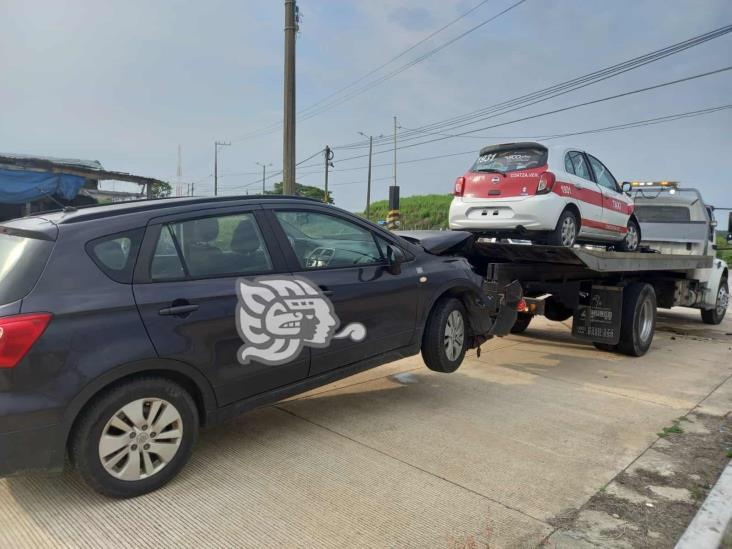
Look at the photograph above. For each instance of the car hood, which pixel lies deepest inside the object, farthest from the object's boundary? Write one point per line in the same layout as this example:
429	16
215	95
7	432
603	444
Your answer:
439	242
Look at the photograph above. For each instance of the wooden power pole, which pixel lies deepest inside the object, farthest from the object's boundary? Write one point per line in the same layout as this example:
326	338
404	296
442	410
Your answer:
288	148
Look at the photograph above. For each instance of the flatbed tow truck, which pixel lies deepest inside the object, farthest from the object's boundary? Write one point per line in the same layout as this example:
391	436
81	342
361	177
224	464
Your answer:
613	296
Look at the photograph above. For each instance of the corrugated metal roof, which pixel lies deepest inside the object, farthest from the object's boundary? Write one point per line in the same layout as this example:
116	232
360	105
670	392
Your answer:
23	159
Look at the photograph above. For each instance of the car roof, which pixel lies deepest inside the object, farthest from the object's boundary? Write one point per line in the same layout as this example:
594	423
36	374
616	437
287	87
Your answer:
96	211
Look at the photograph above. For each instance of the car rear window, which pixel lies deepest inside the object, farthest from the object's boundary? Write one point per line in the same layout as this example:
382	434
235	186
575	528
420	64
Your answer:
21	262
116	254
662	214
510	160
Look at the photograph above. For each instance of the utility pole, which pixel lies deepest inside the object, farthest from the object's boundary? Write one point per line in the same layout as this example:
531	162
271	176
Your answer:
217	144
368	182
328	155
395	149
392	219
264	175
288	148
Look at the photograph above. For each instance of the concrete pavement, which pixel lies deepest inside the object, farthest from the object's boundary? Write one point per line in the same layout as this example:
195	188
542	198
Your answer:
403	457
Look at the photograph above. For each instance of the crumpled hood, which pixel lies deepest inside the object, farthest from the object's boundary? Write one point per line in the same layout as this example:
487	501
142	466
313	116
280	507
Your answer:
439	242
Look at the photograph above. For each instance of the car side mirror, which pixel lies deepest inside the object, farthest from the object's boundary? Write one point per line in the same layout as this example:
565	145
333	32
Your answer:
395	257
626	186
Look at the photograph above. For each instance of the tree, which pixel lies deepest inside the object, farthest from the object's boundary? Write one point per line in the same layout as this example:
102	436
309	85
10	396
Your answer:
161	189
307	191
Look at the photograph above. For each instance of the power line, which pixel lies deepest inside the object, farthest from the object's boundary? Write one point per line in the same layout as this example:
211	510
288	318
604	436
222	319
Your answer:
547	113
627	125
557	89
324	105
398	56
408	65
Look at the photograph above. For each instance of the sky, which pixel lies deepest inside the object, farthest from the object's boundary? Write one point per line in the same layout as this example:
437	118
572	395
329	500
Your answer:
125	82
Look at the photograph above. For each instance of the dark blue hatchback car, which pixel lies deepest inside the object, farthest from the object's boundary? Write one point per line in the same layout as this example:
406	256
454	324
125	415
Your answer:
124	328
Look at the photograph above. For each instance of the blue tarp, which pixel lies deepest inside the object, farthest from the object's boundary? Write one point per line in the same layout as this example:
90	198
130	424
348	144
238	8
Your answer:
21	186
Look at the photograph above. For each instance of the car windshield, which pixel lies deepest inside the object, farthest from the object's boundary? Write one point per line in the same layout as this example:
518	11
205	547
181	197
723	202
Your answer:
510	160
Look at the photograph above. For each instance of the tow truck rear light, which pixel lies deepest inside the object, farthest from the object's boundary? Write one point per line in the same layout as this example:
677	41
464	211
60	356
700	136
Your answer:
459	186
546	182
18	334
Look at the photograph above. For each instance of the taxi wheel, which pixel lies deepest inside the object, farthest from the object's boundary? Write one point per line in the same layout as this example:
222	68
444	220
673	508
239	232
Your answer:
565	233
632	238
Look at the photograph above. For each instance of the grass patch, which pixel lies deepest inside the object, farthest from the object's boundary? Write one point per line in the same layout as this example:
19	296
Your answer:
675	428
729	454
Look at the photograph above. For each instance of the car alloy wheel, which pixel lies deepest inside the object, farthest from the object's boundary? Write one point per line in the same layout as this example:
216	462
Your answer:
454	335
631	238
569	231
141	439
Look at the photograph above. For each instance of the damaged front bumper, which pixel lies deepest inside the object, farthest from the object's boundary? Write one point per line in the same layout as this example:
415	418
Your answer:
496	314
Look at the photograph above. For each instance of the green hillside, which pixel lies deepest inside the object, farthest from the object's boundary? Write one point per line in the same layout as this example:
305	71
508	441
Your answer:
427	211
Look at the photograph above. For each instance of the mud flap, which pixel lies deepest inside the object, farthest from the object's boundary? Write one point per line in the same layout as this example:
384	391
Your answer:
598	316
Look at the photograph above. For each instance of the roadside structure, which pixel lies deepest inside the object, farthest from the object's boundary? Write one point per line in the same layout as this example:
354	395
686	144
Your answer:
30	184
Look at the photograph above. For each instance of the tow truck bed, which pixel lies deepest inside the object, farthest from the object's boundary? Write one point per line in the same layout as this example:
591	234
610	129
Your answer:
611	295
588	259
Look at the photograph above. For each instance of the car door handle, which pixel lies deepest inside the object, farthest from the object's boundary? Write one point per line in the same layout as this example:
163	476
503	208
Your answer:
178	310
325	291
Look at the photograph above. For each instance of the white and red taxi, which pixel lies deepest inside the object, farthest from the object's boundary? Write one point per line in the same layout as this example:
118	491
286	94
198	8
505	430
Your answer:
553	195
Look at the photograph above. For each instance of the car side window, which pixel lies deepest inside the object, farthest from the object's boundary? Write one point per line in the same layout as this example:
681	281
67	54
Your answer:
602	174
115	254
568	167
322	241
580	165
210	247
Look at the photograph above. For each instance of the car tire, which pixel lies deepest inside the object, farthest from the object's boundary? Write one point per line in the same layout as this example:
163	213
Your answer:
157	414
638	319
716	315
522	322
445	338
608	347
565	233
632	238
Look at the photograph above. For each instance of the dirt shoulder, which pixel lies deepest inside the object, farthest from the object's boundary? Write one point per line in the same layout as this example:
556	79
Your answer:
651	503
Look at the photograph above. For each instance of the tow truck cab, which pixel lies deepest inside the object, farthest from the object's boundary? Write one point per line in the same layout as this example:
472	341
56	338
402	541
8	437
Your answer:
675	220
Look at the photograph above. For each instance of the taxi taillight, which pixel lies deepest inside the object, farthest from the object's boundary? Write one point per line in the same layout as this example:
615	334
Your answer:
546	182
459	186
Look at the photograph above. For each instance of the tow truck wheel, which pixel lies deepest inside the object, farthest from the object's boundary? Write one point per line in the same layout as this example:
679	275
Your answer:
445	338
716	315
522	322
638	320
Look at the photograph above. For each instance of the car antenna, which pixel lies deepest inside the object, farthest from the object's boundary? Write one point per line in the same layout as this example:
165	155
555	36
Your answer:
64	207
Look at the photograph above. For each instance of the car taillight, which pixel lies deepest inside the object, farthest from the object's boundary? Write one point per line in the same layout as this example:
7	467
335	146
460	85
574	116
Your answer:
546	182
18	334
459	186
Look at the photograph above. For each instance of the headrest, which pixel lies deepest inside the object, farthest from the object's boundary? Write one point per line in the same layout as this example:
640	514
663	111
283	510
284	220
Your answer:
205	230
245	239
